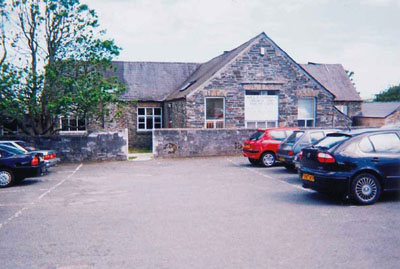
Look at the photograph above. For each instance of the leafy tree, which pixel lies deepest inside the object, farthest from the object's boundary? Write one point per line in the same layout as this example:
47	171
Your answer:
390	94
58	65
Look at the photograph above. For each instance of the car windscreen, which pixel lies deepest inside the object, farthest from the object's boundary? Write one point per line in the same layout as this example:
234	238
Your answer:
12	150
257	135
294	137
331	140
22	144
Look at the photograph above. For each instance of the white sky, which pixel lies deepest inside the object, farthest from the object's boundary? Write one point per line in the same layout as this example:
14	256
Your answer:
363	35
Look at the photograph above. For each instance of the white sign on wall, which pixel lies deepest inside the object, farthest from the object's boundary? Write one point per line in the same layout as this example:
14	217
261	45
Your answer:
261	108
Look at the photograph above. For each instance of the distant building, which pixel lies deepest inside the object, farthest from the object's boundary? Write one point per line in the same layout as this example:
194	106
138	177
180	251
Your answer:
378	114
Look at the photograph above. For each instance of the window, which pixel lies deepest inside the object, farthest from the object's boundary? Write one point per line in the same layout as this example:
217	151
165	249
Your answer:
386	143
366	146
343	109
71	124
306	112
261	124
215	112
149	118
294	137
278	135
315	136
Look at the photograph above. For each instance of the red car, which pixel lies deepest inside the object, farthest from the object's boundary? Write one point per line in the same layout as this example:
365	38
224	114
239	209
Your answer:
262	146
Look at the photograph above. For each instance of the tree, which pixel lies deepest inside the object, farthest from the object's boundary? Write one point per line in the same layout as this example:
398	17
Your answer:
390	94
58	66
350	74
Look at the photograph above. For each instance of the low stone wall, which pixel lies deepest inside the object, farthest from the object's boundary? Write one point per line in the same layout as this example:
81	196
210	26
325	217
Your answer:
95	146
170	143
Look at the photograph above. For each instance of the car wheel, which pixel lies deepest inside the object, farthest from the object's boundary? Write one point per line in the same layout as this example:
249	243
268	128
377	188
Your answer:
366	189
268	159
6	178
254	161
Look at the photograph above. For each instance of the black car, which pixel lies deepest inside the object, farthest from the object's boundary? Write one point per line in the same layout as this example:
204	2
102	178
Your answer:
15	165
298	140
358	165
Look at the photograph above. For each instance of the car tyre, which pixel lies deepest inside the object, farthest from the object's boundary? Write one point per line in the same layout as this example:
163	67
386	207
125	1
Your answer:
6	178
268	159
365	189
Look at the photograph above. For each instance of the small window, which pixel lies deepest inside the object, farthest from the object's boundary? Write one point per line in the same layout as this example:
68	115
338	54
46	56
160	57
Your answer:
71	124
315	136
149	118
215	113
306	112
386	143
294	137
343	109
365	145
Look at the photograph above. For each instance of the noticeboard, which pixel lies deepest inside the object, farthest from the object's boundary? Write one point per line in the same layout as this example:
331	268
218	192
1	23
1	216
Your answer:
261	108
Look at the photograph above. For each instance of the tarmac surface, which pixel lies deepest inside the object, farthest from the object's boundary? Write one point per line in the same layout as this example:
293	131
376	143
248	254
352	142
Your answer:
189	213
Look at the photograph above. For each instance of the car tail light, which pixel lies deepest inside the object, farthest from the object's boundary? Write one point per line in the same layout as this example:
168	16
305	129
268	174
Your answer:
300	155
325	158
53	155
35	161
290	153
47	157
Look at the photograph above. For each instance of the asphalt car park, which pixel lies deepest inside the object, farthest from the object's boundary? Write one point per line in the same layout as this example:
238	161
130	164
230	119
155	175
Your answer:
219	212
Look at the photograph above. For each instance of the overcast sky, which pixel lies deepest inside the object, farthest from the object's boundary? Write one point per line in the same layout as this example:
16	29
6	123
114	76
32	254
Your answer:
363	35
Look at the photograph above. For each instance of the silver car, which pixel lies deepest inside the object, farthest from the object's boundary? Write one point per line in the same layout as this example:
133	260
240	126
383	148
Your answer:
50	156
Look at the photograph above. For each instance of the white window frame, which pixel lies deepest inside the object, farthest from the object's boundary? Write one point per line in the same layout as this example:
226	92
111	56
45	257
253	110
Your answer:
265	124
60	119
343	108
145	116
314	112
214	122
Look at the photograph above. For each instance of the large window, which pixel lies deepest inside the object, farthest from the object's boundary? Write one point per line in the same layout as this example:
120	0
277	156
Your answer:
215	112
261	108
306	112
71	124
149	118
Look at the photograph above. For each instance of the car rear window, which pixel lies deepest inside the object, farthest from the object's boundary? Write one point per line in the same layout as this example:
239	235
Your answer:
330	141
294	137
278	135
11	149
257	135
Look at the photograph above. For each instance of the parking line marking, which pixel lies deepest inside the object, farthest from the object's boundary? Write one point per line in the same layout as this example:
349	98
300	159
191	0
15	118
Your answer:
269	177
19	212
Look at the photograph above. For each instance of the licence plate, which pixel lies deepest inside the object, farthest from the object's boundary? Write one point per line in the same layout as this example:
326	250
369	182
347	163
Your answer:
281	159
308	177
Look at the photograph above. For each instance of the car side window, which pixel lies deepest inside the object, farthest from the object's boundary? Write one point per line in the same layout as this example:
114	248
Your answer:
4	154
278	135
315	136
386	143
366	146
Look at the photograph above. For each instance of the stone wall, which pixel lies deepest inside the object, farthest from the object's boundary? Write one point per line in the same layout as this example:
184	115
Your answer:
272	71
171	143
353	107
174	113
95	146
128	120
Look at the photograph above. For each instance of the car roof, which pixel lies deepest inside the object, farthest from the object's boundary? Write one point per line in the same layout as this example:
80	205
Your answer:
279	129
8	141
355	132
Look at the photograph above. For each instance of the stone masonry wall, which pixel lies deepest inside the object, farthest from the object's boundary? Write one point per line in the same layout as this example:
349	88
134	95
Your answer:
171	143
96	146
272	71
174	112
353	107
128	120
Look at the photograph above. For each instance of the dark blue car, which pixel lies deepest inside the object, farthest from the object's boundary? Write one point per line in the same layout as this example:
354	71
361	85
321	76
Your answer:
15	165
359	165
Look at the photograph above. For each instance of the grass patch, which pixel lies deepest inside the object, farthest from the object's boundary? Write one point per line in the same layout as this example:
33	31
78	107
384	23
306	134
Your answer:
130	158
134	150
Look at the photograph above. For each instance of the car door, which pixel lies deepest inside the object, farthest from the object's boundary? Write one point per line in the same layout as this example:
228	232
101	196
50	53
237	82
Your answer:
386	157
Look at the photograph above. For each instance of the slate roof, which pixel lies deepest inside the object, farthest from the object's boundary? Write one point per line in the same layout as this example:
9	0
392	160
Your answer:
207	70
378	109
334	78
152	81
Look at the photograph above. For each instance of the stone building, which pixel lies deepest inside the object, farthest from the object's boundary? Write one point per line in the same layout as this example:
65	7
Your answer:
377	114
255	85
